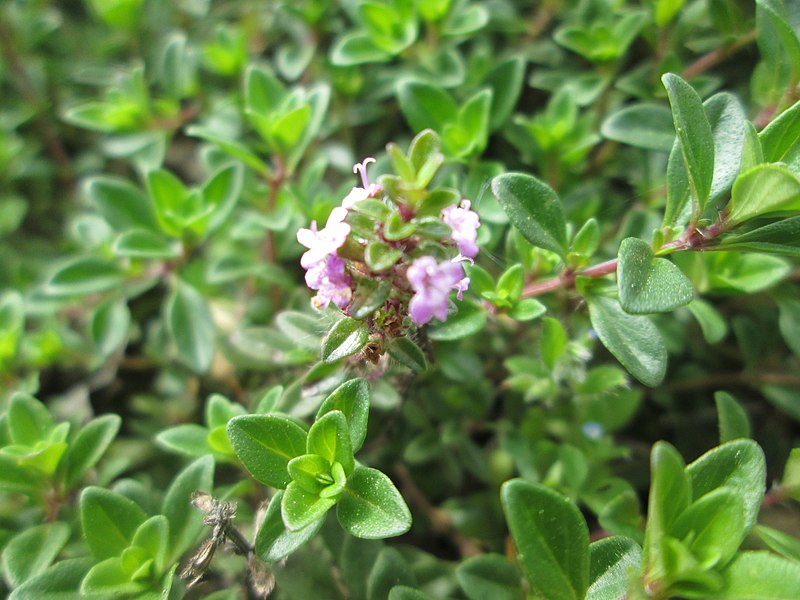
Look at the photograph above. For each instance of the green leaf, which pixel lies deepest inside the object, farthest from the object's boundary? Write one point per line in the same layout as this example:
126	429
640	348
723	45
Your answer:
28	420
153	537
780	542
780	237
307	469
357	48
121	203
467	21
760	576
30	552
408	354
344	339
396	228
781	138
369	297
169	197
185	523
553	342
425	106
633	340
329	437
88	447
230	147
648	284
274	541
263	92
695	136
60	581
380	256
114	577
712	323
733	421
611	562
109	326
505	79
728	124
109	521
389	571
527	310
551	538
190	326
371	507
352	399
780	19
534	209
301	509
83	276
712	527
647	126
189	439
404	592
469	320
488	576
670	495
762	190
739	465
265	444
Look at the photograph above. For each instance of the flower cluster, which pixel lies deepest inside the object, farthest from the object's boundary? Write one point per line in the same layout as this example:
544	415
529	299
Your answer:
417	272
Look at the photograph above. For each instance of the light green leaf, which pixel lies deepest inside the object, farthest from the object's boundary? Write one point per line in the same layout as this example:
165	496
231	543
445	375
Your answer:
89	446
329	437
762	190
612	560
274	541
648	284
185	523
190	326
301	509
371	507
733	421
109	521
352	399
760	576
30	552
647	126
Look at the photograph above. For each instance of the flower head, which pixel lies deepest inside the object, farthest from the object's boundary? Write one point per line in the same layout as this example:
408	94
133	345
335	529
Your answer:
369	190
331	281
432	283
325	242
464	223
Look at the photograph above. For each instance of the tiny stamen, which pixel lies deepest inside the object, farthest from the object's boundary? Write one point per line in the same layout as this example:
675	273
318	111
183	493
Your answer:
361	169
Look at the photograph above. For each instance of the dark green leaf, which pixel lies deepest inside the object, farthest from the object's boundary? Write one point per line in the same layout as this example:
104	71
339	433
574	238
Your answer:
190	326
551	538
344	339
781	138
469	320
489	576
647	126
425	106
408	354
534	209
694	134
505	80
633	340
390	570
83	276
711	322
265	444
380	256
185	523
369	297
109	326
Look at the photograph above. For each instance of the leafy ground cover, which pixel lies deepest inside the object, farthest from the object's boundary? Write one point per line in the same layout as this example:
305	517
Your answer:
368	299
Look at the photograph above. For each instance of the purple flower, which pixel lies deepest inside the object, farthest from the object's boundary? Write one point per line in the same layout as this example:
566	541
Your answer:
324	243
370	190
464	223
432	283
331	281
